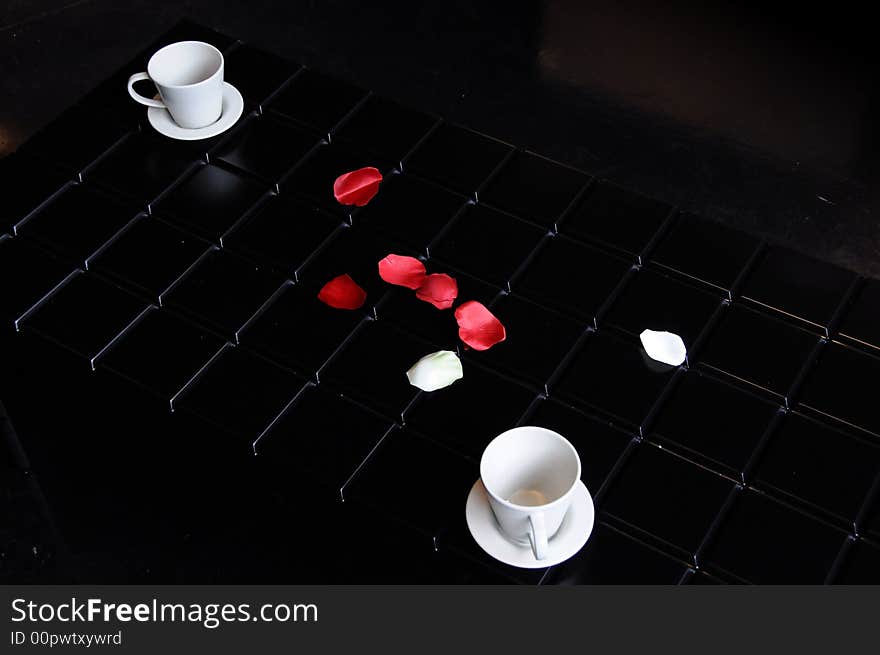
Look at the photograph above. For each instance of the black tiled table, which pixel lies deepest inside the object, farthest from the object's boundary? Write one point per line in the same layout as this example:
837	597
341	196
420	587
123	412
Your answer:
861	323
257	74
35	273
862	565
34	183
316	100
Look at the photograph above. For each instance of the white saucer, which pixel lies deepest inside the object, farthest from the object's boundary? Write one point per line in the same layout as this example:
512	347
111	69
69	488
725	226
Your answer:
571	537
233	106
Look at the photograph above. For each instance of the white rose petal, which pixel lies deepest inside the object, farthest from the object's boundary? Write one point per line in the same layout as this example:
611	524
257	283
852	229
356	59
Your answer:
435	371
665	347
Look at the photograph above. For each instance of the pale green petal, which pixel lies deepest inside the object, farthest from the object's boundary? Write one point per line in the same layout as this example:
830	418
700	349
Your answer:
435	371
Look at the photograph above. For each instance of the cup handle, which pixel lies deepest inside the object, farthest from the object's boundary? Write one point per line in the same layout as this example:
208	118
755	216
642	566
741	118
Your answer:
538	535
149	102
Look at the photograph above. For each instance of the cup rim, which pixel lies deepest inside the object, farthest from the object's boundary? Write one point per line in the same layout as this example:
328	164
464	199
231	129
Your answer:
194	84
533	508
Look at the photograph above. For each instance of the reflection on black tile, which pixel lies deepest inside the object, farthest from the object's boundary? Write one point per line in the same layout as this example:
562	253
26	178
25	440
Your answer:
161	352
476	233
571	277
862	565
670	499
410	210
266	148
616	217
283	233
654	301
469	414
144	165
598	444
223	291
256	73
861	323
615	377
762	541
611	557
240	393
843	385
322	435
457	158
30	273
758	349
85	315
534	188
716	423
372	367
317	100
78	222
299	331
417	481
537	340
705	250
798	286
824	468
149	256
210	201
27	184
314	178
385	128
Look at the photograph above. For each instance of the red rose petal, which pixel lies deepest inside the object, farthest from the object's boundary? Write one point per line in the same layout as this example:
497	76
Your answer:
357	187
478	327
403	271
438	289
342	293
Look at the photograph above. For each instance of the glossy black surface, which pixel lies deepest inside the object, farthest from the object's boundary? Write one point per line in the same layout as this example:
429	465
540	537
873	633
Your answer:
34	272
861	323
34	183
257	74
316	100
862	565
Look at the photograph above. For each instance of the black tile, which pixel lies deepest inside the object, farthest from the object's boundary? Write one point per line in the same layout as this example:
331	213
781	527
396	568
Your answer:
654	301
78	222
762	541
27	184
861	323
705	250
715	423
256	73
210	201
322	435
149	256
534	188
702	578
616	377
617	217
798	286
537	340
187	30
385	128
571	277
30	273
669	499
612	557
843	385
143	166
758	349
266	148
457	158
410	210
223	291
598	444
471	412
862	565
317	100
161	353
372	367
806	461
240	393
476	233
299	331
85	315
418	481
283	233
314	178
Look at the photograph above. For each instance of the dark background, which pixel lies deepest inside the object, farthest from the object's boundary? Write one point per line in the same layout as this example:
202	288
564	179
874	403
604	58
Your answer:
765	118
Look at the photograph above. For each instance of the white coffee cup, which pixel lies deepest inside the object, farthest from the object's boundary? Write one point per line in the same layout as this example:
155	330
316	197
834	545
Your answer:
530	474
189	77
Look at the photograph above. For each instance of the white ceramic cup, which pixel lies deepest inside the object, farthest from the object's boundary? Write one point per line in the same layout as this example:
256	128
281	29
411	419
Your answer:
530	474
189	77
